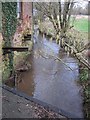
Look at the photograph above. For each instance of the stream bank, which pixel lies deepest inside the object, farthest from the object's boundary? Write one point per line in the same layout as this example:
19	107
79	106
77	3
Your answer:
50	80
19	62
19	59
85	83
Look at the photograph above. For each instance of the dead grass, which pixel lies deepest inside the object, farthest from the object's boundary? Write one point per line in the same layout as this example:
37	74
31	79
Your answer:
79	36
75	34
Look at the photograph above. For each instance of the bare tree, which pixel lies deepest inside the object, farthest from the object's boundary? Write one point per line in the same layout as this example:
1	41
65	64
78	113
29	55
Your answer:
59	14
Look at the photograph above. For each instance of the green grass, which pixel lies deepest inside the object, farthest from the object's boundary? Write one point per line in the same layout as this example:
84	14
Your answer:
82	25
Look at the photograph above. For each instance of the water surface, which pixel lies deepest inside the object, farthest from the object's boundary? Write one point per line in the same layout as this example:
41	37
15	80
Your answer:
50	80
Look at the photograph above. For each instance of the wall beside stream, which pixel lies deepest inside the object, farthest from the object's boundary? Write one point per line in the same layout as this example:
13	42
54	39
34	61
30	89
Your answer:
24	28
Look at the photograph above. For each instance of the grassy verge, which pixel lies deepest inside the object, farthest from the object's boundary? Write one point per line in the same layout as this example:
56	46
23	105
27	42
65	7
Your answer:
82	24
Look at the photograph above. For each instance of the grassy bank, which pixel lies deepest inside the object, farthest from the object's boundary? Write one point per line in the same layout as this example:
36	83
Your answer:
84	81
82	25
78	33
0	58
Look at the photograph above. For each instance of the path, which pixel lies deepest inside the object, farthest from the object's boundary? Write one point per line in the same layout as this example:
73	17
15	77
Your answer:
14	106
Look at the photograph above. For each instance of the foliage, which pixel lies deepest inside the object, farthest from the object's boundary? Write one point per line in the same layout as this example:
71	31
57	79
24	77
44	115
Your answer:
6	73
9	23
84	75
84	79
59	16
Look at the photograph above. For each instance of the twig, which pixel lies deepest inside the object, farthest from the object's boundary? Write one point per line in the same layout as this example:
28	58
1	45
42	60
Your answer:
59	58
79	56
87	46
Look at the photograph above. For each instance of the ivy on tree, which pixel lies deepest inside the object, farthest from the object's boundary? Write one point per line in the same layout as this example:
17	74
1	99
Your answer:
9	24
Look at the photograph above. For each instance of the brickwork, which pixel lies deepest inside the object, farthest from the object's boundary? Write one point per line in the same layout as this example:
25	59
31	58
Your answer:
25	23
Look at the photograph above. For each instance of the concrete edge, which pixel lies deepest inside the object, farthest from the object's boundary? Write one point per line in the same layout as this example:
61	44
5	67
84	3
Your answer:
45	105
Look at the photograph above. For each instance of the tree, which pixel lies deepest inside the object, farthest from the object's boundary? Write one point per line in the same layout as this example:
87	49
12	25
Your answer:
59	14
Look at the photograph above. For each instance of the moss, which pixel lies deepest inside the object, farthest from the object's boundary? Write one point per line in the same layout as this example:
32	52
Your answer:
84	75
6	74
84	80
9	24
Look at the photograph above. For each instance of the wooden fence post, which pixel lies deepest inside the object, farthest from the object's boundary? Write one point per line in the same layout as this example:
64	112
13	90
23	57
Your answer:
51	39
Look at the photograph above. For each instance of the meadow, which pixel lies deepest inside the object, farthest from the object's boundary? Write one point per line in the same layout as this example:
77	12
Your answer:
82	24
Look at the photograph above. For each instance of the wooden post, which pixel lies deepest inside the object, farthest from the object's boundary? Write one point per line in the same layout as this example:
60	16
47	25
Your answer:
57	38
43	35
47	33
74	43
15	79
37	32
65	48
59	42
62	42
71	51
51	39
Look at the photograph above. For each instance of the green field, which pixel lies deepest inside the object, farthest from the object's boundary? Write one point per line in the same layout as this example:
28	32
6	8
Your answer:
82	25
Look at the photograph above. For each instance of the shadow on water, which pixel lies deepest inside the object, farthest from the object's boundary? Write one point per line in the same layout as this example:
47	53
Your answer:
27	79
50	80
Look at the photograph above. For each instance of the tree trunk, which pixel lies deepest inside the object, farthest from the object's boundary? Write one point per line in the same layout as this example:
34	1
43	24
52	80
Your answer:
11	66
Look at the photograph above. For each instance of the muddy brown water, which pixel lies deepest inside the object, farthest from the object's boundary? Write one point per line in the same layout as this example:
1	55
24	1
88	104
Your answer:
50	80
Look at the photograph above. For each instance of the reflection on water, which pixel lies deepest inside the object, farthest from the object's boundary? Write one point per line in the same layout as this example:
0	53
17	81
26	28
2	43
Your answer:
50	80
27	80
